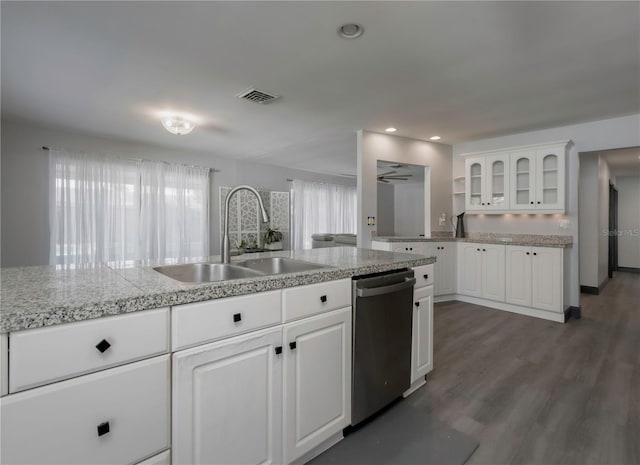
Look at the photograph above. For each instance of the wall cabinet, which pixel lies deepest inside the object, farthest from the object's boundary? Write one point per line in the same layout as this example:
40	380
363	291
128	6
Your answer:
481	269
517	180
445	270
487	178
317	381
225	391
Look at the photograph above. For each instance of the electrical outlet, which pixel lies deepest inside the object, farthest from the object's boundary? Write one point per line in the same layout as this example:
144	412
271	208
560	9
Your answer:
563	224
442	221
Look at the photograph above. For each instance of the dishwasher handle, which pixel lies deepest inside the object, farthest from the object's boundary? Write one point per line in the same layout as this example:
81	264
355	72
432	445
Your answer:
369	292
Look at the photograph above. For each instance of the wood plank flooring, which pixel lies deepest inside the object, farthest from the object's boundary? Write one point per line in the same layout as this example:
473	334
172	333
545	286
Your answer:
537	392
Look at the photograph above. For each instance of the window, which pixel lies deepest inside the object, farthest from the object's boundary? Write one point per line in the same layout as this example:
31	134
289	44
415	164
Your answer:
322	208
105	209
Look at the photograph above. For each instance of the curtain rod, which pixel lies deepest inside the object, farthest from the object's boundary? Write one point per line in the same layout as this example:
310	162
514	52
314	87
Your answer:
44	147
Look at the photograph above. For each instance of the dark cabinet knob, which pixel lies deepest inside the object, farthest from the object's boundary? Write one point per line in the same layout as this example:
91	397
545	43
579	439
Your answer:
527	253
237	317
484	250
539	203
323	299
406	248
103	428
425	276
531	203
102	346
292	345
417	304
482	203
535	253
278	350
478	250
488	203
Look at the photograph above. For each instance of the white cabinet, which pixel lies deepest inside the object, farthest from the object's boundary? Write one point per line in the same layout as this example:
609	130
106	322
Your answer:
422	333
481	270
317	381
538	179
403	247
120	415
469	269
445	270
493	267
487	179
535	277
517	180
547	274
227	401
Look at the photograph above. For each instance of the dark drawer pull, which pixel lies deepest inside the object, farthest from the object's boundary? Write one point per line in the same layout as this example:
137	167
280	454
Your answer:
292	345
484	250
539	203
103	428
534	253
425	276
237	317
531	203
417	304
278	350
527	253
102	346
323	299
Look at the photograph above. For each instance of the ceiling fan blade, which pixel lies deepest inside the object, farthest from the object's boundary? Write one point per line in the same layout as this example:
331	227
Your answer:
385	174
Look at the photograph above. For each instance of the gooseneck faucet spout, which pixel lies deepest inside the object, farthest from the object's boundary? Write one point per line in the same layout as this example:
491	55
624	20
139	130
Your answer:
226	244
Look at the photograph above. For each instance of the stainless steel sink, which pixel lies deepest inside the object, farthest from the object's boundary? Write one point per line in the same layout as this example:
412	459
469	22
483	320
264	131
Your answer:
278	265
206	272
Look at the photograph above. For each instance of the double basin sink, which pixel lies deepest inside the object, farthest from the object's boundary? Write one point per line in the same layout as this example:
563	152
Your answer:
210	272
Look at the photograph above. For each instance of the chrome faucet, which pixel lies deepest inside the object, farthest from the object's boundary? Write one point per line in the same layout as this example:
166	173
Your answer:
225	249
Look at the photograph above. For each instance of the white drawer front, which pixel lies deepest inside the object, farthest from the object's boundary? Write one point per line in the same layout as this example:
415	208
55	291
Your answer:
303	301
424	275
216	319
60	423
43	355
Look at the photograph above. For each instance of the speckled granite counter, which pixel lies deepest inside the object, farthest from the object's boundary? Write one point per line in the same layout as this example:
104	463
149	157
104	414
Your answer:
32	297
534	240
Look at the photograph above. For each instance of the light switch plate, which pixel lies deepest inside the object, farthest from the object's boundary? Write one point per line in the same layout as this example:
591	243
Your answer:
564	224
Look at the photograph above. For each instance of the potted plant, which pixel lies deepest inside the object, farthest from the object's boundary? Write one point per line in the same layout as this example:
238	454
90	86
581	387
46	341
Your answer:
273	239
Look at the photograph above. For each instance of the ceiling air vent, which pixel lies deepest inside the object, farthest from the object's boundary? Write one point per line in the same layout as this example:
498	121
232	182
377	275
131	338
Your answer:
257	96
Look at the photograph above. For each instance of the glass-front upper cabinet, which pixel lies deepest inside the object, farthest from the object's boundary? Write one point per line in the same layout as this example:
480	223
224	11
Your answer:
523	186
550	180
474	194
497	182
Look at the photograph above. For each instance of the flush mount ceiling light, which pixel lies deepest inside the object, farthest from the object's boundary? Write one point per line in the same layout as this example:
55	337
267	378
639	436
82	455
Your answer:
178	125
350	30
435	138
391	130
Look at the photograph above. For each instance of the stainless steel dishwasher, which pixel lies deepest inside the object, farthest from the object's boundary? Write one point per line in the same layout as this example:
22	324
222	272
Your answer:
382	315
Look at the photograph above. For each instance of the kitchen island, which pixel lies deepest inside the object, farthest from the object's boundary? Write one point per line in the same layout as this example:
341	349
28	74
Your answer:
118	363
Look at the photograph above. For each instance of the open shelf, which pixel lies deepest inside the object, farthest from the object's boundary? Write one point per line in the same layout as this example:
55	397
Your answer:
459	179
459	193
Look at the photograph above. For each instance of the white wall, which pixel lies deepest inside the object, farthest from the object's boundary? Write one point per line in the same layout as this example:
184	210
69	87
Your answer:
373	147
25	215
588	220
628	221
597	135
408	209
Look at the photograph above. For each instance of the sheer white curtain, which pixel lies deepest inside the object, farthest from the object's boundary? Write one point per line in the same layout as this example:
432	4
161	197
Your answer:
322	208
109	209
174	210
94	208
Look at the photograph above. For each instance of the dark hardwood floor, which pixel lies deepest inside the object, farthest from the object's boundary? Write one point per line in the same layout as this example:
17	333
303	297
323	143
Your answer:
537	392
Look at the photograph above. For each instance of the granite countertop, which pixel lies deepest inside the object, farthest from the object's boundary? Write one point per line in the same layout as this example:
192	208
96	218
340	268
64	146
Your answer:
534	240
32	297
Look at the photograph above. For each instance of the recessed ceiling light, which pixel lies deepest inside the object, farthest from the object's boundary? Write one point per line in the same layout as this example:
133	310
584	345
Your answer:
435	138
178	125
391	129
350	30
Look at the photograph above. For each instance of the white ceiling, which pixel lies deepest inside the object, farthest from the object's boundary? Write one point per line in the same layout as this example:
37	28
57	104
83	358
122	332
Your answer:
623	162
458	69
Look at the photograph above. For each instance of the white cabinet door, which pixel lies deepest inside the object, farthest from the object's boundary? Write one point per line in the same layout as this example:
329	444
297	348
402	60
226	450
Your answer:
474	178
493	272
432	249
446	268
550	178
317	381
518	284
408	247
422	334
523	180
497	182
227	401
547	280
469	269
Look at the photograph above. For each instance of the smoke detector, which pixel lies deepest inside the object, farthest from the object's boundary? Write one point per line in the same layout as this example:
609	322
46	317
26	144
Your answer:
350	30
257	96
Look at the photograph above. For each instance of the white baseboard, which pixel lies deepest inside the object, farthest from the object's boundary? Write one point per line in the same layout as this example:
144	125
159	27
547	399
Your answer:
528	311
319	449
414	387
